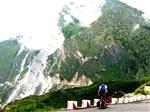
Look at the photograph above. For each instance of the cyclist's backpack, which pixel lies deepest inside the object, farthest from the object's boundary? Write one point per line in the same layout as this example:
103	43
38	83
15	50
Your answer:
103	89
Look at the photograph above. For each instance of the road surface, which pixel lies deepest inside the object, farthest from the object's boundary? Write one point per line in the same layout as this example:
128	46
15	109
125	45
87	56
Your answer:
143	106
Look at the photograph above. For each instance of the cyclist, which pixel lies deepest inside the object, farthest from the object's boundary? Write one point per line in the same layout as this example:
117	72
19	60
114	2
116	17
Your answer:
102	93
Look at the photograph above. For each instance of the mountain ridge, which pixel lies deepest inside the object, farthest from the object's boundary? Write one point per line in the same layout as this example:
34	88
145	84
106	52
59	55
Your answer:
114	47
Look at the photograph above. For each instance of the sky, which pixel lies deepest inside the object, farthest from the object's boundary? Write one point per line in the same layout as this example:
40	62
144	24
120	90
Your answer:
37	20
143	5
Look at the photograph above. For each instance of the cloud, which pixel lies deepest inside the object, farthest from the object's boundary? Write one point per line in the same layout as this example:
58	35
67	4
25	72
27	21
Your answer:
36	20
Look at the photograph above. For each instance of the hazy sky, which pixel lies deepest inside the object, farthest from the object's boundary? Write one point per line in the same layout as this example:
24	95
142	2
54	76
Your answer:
143	5
36	19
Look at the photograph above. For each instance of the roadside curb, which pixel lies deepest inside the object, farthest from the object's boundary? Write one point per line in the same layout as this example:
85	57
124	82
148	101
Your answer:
72	105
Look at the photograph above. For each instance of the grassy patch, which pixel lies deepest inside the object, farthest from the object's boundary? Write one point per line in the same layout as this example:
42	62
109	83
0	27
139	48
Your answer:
140	89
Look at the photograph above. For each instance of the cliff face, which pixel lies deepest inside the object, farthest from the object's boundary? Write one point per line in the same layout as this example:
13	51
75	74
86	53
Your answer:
113	47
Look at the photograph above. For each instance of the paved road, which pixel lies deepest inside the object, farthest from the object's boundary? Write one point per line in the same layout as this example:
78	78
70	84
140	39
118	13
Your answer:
131	107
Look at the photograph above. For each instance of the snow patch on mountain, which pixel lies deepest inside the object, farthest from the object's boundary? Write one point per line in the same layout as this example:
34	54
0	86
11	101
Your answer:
86	11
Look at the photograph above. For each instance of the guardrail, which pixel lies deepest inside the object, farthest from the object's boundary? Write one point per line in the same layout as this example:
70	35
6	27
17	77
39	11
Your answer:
72	105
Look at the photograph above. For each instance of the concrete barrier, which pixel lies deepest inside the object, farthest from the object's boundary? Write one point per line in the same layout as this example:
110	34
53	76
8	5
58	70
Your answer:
95	102
114	101
72	105
143	97
132	99
147	97
86	103
121	100
126	100
138	98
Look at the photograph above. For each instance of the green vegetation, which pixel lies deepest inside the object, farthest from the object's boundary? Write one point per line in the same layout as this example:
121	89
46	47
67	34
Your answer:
8	51
58	99
113	46
141	88
70	28
10	65
147	89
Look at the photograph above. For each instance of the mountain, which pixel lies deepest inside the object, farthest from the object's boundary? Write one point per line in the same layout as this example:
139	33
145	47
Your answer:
15	59
113	47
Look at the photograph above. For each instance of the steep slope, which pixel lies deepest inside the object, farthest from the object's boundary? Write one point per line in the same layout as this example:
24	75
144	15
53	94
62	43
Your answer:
8	51
14	61
26	76
116	46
